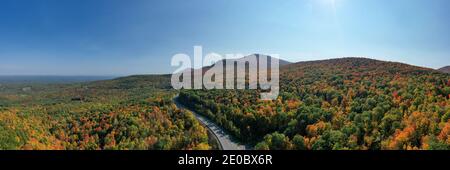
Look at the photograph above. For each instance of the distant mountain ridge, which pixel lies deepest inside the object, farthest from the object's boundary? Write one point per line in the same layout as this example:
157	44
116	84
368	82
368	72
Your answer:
355	66
40	79
445	69
362	62
280	61
224	61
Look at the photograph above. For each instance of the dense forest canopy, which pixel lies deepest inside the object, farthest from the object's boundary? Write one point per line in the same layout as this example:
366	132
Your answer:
135	112
348	103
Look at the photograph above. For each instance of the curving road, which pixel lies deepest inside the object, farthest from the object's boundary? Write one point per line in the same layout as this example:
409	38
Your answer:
225	140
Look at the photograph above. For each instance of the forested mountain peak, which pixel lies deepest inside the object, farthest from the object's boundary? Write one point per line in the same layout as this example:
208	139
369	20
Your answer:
355	62
355	65
269	58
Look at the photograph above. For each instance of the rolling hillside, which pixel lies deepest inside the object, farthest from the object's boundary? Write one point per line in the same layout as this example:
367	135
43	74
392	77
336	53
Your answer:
135	112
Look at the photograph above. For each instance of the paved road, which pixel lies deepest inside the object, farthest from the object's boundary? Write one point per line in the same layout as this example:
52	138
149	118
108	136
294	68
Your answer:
225	140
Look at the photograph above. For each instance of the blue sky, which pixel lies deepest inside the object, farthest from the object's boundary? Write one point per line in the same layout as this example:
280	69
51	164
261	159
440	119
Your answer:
116	37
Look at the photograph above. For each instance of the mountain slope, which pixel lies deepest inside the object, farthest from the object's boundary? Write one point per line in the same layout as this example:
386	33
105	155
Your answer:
346	103
445	69
246	58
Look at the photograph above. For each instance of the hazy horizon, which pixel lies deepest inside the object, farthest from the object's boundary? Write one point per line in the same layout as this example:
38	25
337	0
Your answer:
122	75
116	76
110	37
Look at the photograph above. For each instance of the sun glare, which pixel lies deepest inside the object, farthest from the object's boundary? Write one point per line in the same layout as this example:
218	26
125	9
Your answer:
328	2
332	3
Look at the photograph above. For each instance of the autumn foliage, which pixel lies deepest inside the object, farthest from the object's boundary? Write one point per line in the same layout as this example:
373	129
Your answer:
348	103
